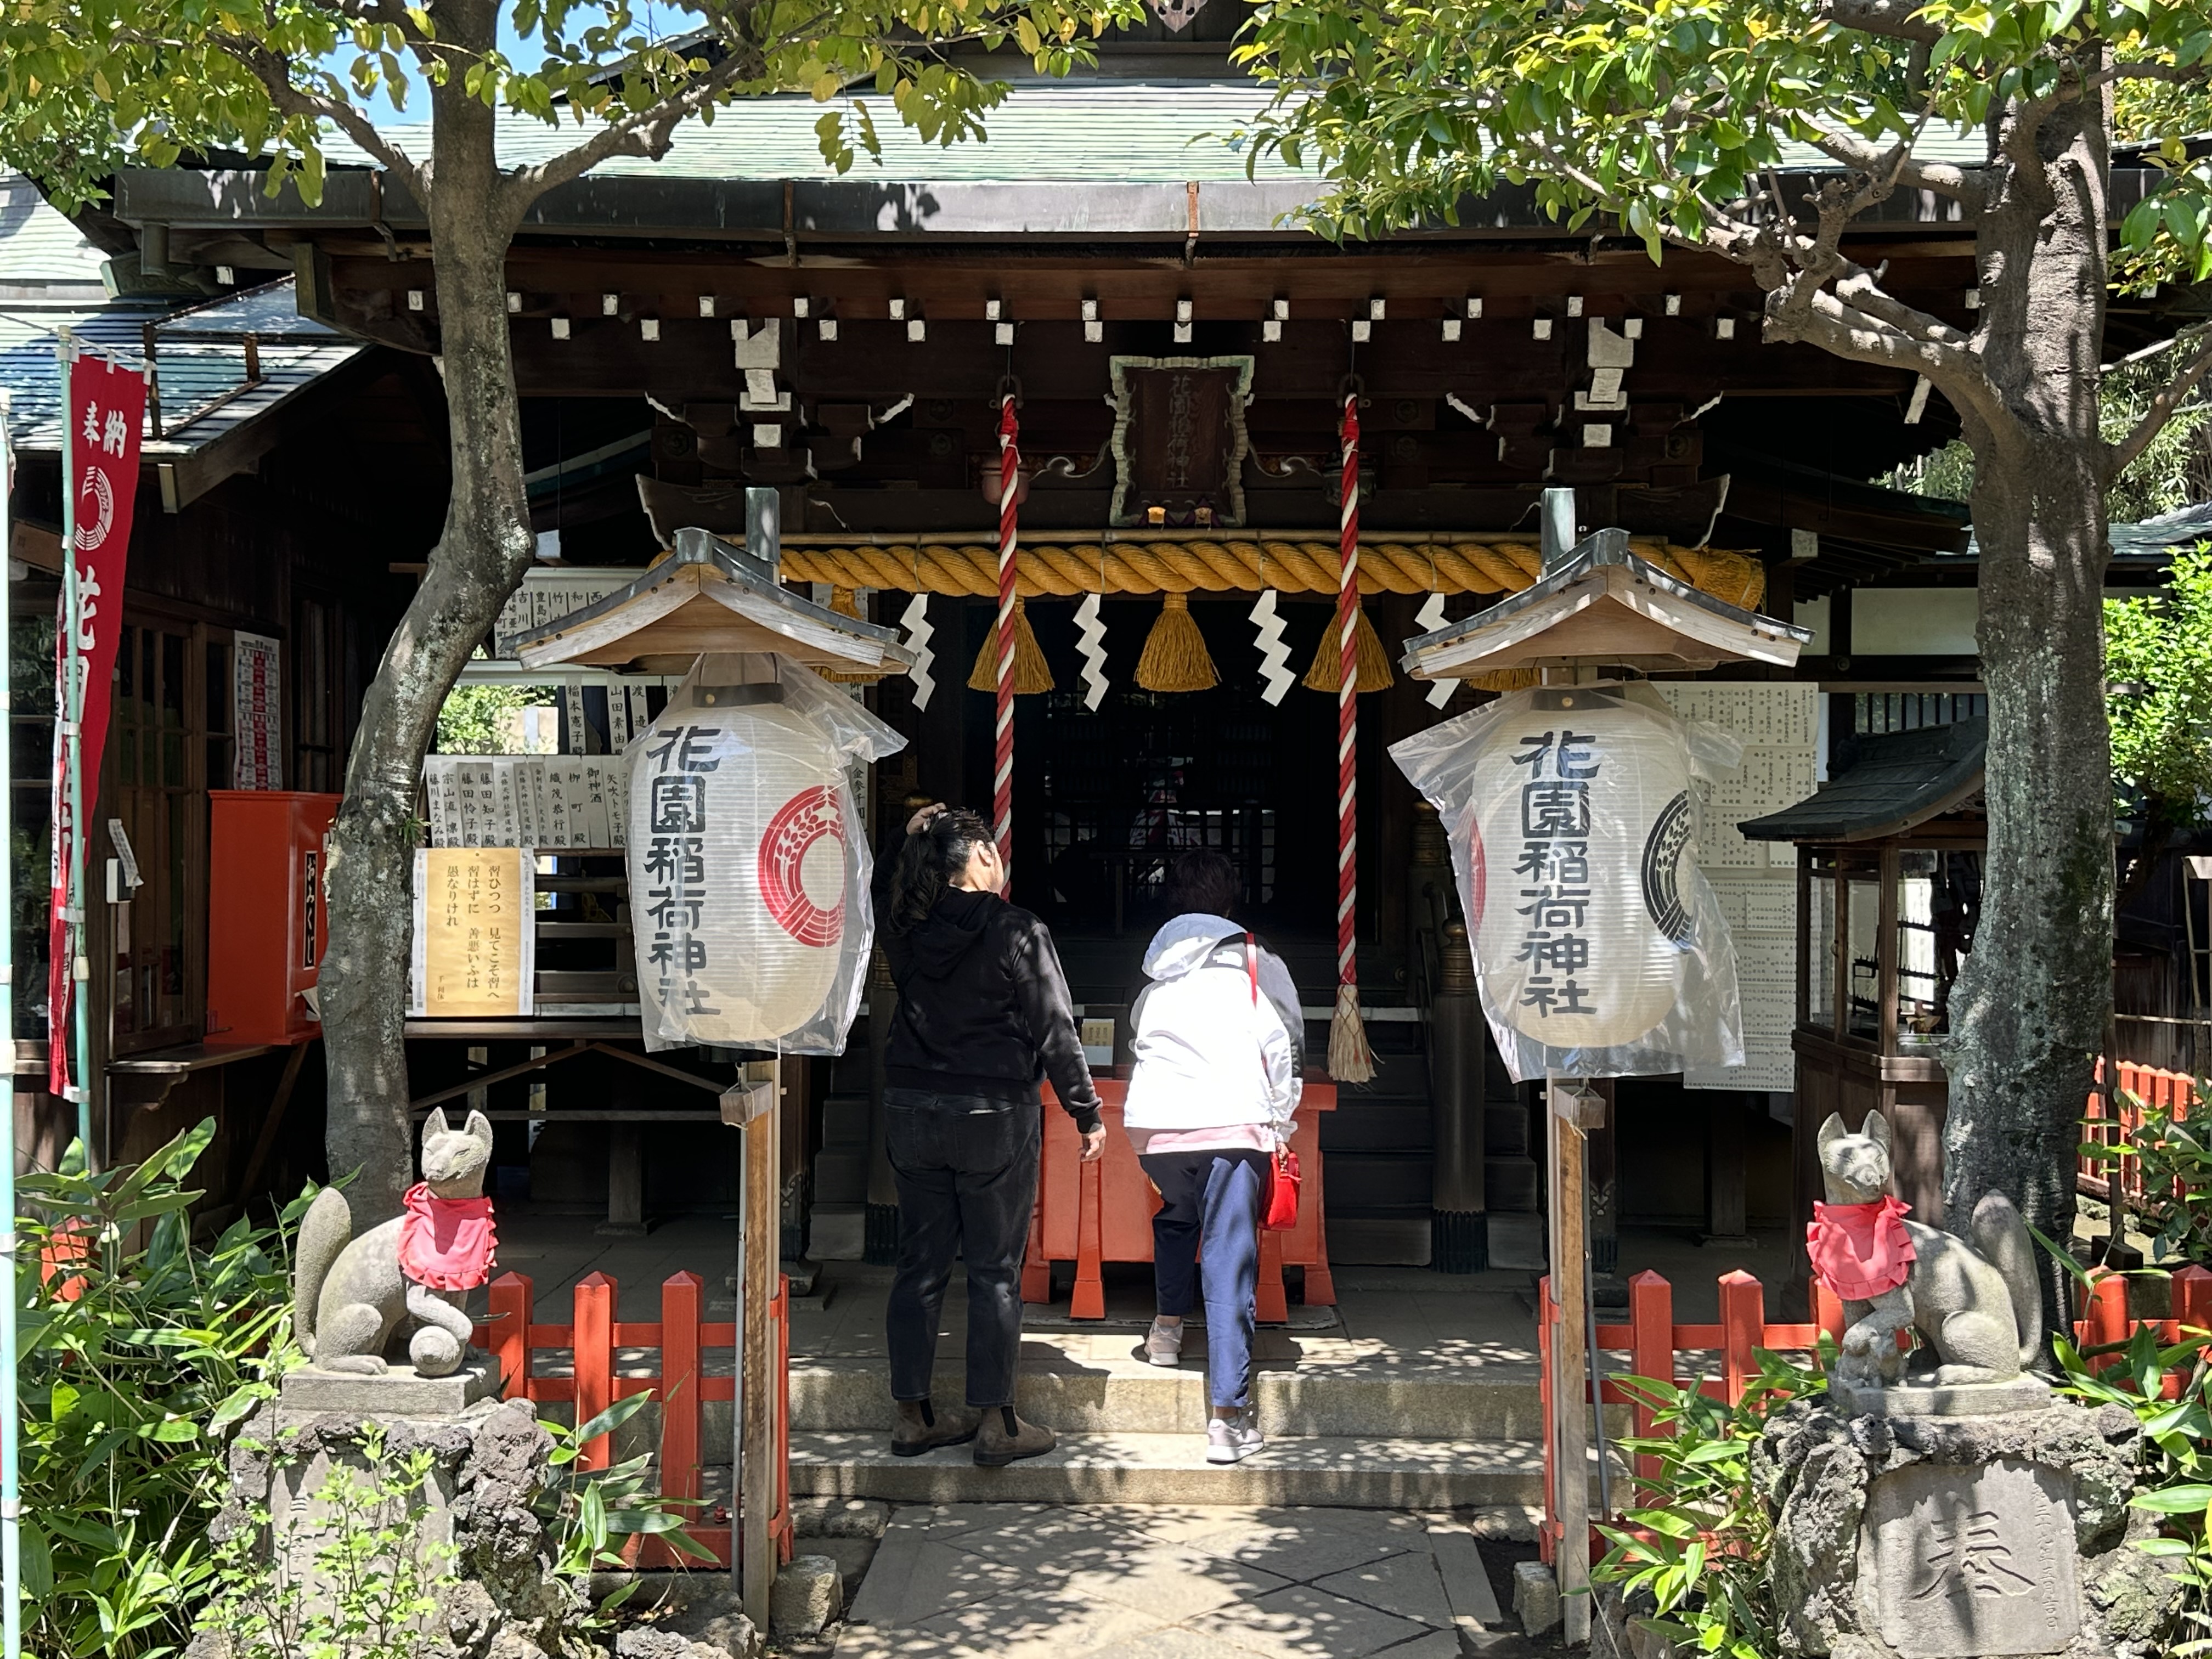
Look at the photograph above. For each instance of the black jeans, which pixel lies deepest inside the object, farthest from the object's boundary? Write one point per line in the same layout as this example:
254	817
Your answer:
966	1170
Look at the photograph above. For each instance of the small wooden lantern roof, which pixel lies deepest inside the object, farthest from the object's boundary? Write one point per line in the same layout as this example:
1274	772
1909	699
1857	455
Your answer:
1891	783
710	596
1598	602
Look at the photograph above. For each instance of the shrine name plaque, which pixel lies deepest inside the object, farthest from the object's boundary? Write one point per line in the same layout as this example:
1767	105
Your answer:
1967	1560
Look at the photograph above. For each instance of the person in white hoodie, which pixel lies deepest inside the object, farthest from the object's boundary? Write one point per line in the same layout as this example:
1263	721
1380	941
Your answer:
1218	1045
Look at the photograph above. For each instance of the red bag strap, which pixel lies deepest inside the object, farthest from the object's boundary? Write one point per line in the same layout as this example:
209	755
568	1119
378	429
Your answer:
1252	967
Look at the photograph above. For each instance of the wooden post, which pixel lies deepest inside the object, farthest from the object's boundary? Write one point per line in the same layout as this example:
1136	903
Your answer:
1570	1354
593	1337
509	1344
758	1476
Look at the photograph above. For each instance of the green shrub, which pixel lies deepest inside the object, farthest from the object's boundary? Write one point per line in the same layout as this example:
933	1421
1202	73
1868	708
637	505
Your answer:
139	1349
1696	1542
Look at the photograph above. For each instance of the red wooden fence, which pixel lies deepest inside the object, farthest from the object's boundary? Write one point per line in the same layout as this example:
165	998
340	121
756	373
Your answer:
591	1339
2148	1086
1654	1344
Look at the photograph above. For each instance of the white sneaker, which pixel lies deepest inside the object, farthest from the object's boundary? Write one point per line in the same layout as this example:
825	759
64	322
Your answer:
1164	1345
1231	1442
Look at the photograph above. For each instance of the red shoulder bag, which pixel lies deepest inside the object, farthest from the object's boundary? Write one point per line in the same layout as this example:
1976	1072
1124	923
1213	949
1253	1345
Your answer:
1281	1211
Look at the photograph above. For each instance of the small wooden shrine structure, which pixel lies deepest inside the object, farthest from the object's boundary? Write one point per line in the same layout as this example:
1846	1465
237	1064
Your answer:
1889	877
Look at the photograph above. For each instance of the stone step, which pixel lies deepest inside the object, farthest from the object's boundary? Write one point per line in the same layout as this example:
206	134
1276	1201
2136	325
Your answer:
1334	1472
1516	1241
1389	1236
1492	1401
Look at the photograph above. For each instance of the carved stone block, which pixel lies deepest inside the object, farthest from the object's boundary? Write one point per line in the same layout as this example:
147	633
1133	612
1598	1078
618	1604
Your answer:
1971	1560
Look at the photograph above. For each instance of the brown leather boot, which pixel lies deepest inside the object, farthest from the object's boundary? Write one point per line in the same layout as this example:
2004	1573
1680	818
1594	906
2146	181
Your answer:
922	1428
1003	1438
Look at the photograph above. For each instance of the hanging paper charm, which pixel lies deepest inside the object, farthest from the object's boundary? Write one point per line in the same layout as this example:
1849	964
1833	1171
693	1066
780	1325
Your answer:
1274	656
1090	646
918	633
1428	619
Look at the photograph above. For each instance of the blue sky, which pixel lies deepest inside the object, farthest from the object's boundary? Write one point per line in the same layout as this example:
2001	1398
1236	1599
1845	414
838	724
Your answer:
656	18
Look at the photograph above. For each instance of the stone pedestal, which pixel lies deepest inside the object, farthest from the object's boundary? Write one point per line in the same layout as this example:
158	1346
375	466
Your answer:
1963	1537
489	1463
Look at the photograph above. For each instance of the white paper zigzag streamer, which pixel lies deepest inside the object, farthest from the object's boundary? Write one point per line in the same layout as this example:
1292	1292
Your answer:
1428	619
1274	656
918	632
1090	646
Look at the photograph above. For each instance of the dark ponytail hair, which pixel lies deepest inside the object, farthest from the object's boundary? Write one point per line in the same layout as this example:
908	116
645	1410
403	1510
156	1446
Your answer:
928	861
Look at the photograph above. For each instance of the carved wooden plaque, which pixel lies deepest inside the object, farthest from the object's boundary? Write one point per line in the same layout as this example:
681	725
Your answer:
1179	440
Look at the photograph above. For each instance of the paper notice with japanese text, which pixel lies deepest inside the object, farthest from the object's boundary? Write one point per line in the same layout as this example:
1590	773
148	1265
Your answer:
475	937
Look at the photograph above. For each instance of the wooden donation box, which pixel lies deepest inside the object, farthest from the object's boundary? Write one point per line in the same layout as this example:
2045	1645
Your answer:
1094	1213
1889	887
267	922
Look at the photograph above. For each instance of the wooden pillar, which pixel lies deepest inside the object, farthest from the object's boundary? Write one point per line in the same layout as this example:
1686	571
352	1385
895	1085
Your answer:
1724	1168
625	1182
757	1475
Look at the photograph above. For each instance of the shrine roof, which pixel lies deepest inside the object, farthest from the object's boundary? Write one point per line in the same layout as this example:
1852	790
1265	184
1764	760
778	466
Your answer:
1890	783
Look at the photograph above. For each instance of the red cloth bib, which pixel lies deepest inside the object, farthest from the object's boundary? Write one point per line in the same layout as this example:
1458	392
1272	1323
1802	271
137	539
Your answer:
445	1243
1861	1250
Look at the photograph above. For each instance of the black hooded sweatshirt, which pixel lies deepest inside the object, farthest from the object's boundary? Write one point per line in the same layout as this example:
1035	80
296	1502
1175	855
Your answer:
983	1007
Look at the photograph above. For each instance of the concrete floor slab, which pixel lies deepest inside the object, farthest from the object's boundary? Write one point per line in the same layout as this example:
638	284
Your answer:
1304	1622
1408	1585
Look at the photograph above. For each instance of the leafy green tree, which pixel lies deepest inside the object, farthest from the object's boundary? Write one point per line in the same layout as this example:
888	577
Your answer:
1666	120
85	84
2157	650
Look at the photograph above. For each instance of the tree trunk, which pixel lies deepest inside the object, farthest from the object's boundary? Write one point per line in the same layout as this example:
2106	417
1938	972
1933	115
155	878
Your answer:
2029	1011
480	555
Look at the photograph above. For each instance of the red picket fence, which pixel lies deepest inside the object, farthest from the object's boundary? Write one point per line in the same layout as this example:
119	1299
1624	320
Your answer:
2106	1320
1655	1344
592	1339
2149	1087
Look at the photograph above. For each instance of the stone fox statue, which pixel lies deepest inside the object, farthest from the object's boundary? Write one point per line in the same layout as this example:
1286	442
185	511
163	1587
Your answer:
1974	1300
404	1281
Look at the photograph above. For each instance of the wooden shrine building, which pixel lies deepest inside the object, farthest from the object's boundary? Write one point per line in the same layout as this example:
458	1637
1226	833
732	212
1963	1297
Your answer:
738	316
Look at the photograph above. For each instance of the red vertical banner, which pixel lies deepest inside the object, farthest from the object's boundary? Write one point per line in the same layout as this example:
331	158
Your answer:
106	411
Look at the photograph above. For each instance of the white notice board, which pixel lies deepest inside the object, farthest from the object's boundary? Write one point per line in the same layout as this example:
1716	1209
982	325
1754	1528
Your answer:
1756	882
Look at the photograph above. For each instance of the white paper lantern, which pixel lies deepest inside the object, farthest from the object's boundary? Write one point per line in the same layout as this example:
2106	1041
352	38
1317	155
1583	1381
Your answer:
1581	834
739	870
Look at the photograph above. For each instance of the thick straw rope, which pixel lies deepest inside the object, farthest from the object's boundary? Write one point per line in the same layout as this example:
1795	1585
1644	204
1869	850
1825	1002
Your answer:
1239	565
1002	778
1349	1060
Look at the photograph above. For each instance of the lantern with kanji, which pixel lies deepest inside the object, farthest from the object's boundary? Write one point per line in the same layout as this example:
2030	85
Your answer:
748	866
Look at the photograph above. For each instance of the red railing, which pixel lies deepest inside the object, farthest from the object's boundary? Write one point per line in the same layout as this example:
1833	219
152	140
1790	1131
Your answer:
1654	1344
598	1378
2106	1320
2149	1087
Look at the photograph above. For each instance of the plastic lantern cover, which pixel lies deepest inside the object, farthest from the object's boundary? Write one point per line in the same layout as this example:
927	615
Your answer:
1600	950
748	860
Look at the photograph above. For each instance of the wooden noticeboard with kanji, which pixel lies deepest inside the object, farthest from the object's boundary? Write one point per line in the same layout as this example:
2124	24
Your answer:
474	939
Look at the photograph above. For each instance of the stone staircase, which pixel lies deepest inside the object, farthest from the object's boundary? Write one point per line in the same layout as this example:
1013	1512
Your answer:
1344	1429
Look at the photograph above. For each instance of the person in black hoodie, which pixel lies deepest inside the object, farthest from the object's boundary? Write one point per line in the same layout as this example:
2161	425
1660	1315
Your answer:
983	1017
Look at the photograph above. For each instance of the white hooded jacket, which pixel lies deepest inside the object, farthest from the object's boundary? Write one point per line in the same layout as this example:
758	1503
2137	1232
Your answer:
1209	1052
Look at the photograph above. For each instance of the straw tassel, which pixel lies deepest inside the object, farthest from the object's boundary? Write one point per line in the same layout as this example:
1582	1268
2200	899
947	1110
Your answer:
1175	657
1032	673
1326	673
846	603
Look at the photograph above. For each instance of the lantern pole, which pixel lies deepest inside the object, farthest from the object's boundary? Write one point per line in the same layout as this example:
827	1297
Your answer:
1002	774
11	1527
1570	1467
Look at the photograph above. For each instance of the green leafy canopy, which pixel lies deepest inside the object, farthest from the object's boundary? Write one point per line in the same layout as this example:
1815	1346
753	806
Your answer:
2158	657
1671	115
86	85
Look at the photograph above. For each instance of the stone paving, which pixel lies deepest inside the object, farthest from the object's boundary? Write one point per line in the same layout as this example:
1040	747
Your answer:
1025	1580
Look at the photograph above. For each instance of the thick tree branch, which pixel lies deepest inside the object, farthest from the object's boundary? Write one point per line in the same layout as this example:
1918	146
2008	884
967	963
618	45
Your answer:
2119	456
1896	163
1893	18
